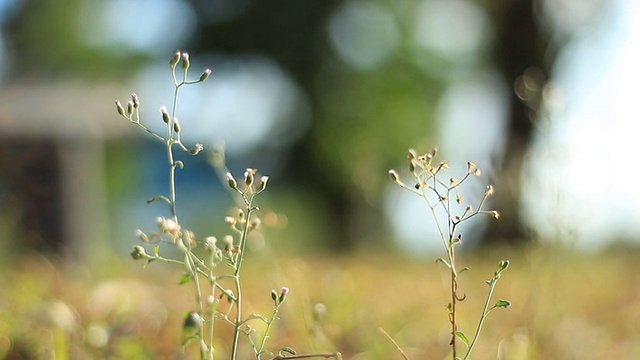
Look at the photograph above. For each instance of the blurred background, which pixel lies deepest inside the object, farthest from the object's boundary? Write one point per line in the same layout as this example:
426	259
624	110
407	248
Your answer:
325	97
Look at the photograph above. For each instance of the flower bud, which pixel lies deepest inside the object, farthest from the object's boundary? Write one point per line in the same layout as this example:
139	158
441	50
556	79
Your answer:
205	75
283	294
174	60
231	181
129	107
165	114
394	176
120	108
138	253
136	101
142	235
248	177
263	183
176	125
185	61
197	149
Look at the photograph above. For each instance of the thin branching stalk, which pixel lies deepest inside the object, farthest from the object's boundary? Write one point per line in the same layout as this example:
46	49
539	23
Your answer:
426	175
238	266
198	270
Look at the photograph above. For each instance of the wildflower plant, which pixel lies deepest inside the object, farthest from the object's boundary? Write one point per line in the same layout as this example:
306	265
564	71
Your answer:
212	284
444	197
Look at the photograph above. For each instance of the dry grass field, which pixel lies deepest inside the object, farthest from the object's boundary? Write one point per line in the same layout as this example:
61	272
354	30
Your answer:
566	305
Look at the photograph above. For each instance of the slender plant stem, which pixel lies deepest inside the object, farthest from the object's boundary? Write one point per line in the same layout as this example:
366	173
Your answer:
191	266
243	242
485	312
263	343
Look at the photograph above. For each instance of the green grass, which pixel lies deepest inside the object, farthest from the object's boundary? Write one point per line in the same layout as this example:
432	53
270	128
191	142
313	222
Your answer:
565	306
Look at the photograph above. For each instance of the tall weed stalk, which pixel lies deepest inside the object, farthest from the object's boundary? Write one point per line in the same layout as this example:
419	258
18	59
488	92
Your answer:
211	284
444	196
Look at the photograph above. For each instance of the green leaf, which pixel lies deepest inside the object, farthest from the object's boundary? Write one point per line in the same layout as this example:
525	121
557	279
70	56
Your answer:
184	279
462	337
192	321
502	303
187	339
159	197
288	350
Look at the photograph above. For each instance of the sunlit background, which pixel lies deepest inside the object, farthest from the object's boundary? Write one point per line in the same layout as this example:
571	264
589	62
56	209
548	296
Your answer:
325	97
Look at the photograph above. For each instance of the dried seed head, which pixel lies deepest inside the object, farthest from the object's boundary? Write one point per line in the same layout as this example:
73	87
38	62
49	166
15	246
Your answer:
444	165
190	238
471	167
228	243
254	223
210	243
495	214
489	190
168	226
